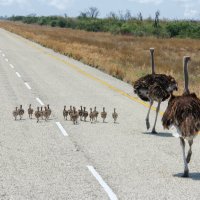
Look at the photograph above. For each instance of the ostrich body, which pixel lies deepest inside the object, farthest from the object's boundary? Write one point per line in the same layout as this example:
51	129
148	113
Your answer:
15	113
183	112
154	87
30	112
37	114
21	112
48	111
115	115
80	113
103	115
92	115
85	113
74	116
70	112
65	113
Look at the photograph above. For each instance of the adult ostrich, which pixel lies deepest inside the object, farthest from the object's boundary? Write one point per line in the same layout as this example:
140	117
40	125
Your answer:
154	87
183	112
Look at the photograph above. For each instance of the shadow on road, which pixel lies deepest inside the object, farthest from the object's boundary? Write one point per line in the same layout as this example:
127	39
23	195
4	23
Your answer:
194	176
160	134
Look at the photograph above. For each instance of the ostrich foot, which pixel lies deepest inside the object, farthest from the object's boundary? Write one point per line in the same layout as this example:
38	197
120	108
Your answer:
154	131
186	174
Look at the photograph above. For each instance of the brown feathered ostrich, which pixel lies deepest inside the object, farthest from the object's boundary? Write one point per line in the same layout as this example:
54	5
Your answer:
154	87
183	112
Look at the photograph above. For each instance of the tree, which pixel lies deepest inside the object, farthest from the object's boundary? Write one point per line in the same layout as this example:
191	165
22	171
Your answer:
127	15
112	15
83	15
92	12
140	18
156	21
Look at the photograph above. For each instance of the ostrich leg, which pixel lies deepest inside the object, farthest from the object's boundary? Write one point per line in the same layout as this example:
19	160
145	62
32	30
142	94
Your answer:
190	142
157	111
186	170
147	118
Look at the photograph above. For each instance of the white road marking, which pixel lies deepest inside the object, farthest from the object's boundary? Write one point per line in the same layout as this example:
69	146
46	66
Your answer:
6	59
18	75
3	55
0	51
27	85
61	129
11	66
41	103
108	190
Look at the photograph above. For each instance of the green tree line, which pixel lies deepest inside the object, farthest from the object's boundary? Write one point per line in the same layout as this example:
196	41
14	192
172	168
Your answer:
121	23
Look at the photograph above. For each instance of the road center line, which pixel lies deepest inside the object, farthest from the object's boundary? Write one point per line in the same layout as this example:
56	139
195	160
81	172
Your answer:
108	190
6	59
61	129
27	85
3	55
11	66
18	75
40	102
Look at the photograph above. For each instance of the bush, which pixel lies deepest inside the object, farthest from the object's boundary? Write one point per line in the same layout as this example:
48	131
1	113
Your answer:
53	23
42	21
61	23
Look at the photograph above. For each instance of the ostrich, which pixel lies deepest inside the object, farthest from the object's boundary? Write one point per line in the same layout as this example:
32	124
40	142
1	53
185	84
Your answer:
154	87
183	112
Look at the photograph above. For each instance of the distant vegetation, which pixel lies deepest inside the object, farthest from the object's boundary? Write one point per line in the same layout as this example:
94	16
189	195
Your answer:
121	23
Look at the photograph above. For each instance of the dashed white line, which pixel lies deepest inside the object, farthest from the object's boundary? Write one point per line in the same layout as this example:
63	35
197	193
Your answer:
3	55
11	66
6	59
61	129
18	74
41	103
108	190
0	51
27	85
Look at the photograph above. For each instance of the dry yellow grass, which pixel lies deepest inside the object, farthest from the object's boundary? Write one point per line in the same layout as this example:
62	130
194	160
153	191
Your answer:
125	57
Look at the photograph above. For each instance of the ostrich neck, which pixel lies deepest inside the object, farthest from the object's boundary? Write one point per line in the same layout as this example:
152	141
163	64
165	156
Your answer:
152	63
186	78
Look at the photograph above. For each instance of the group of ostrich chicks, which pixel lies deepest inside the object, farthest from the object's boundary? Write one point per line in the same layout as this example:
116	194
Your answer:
39	113
83	114
182	113
72	113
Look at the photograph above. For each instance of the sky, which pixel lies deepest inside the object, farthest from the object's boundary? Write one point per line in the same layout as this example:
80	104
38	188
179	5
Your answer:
171	9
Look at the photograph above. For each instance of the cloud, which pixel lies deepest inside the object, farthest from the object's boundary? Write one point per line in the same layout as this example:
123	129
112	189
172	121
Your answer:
190	8
147	1
10	2
190	11
59	4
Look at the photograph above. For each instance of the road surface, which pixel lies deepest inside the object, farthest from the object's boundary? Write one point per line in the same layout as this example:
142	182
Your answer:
59	160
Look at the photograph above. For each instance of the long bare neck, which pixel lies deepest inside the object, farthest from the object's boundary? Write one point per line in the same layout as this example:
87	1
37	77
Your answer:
186	77
152	62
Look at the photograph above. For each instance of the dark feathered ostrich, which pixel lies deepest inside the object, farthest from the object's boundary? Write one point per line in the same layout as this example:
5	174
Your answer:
154	87
183	112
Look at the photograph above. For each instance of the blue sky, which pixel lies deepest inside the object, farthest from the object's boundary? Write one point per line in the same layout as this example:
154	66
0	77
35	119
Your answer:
173	9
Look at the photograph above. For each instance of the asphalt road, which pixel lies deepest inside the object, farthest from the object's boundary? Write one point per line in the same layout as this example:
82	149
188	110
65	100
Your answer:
84	161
